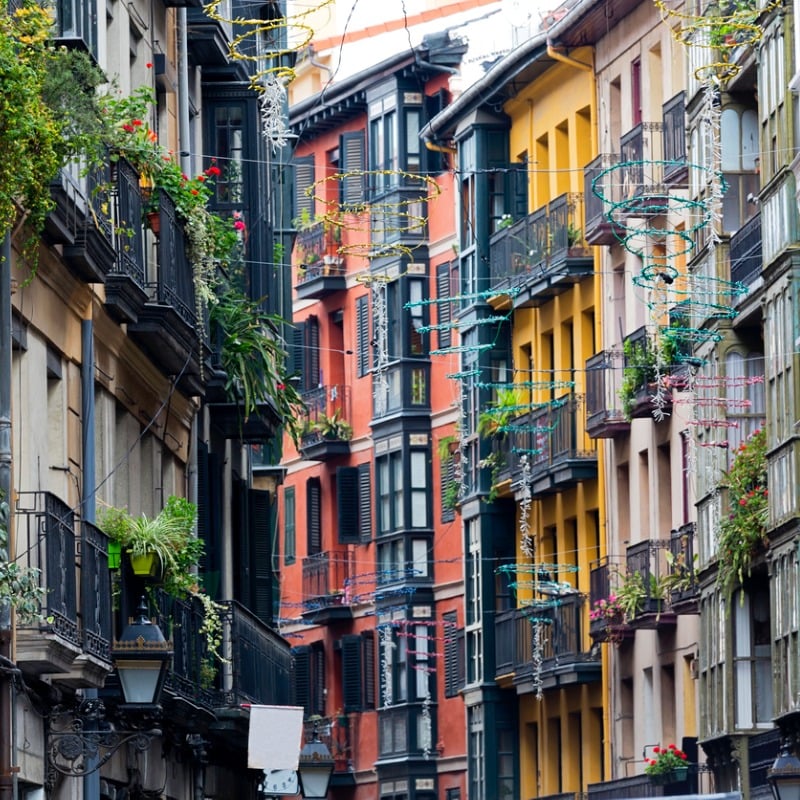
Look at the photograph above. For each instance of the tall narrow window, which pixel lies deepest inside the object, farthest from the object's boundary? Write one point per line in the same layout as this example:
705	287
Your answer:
289	532
229	147
314	516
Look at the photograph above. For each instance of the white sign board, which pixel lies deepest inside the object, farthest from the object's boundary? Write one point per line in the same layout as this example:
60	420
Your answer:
275	737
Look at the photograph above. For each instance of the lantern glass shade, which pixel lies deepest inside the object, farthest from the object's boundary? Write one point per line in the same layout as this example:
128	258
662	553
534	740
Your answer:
315	768
784	775
141	657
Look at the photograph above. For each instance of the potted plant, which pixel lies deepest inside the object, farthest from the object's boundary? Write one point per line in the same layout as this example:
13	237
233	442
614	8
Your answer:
670	765
333	427
498	415
162	544
744	530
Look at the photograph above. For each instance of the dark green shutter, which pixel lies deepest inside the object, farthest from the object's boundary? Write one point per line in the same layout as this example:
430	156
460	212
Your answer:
318	678
311	376
352	168
289	526
448	479
297	355
301	673
314	516
444	309
347	504
368	670
517	187
351	673
362	336
364	503
303	181
241	544
450	654
261	554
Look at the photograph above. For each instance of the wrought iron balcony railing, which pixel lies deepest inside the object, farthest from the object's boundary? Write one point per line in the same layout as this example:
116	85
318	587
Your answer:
326	581
745	252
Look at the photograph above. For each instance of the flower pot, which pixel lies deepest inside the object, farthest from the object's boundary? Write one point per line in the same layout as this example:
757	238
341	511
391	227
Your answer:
676	775
154	222
146	566
114	555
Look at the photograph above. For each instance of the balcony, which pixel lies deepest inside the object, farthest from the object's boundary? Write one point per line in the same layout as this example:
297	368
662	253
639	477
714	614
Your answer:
684	586
326	430
327	595
209	39
644	193
77	224
642	392
745	252
645	567
73	644
624	789
604	416
552	440
601	191
605	626
320	268
167	327
125	284
543	254
676	168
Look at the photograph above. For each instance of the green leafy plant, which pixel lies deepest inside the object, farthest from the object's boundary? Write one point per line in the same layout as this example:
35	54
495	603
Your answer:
19	585
631	594
333	427
254	359
498	415
32	141
667	759
744	530
643	358
169	534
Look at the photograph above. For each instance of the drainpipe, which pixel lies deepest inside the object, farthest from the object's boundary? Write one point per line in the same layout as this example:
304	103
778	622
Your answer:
184	137
6	776
555	55
91	782
440	148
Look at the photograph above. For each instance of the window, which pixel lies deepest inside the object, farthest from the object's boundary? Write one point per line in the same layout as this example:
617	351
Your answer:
228	145
745	393
444	289
305	353
352	168
358	671
383	145
303	183
309	678
394	665
453	654
289	532
739	143
416	312
419	488
362	336
752	663
76	23
448	489
354	504
314	516
391	561
389	473
476	754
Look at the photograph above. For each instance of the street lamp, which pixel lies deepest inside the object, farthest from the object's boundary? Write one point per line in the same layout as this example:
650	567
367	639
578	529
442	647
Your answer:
81	737
784	774
315	768
141	656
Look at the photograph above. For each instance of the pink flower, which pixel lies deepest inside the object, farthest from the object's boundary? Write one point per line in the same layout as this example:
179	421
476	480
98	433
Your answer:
238	225
149	65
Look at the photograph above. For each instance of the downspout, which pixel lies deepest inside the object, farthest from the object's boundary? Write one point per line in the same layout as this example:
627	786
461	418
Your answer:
183	93
556	56
439	148
7	782
91	781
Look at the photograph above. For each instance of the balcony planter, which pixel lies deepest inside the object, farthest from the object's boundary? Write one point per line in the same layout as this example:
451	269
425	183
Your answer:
146	565
677	775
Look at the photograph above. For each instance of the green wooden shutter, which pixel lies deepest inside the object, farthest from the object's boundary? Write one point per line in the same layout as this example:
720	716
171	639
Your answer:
301	677
443	309
318	678
352	168
311	378
351	673
314	516
364	503
347	506
447	480
450	654
368	670
362	336
289	526
297	354
241	544
303	181
261	554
